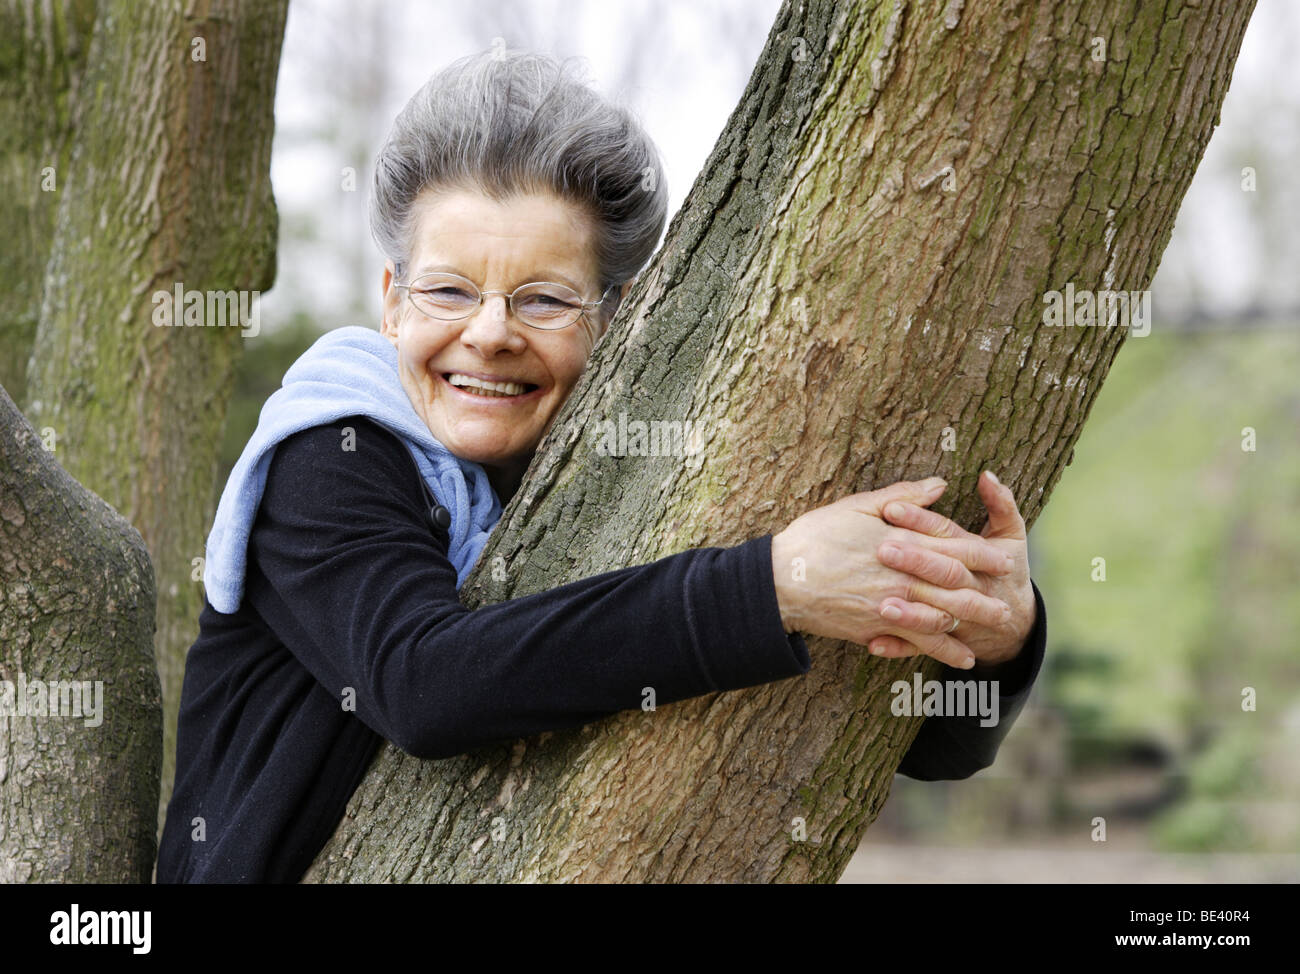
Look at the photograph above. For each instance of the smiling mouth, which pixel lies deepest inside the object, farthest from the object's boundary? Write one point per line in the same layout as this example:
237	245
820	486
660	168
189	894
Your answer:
469	386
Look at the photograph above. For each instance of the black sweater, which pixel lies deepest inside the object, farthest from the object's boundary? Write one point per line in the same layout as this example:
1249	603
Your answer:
351	632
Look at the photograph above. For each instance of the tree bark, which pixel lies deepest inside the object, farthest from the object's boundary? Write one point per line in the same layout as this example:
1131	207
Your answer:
78	778
168	185
861	265
43	50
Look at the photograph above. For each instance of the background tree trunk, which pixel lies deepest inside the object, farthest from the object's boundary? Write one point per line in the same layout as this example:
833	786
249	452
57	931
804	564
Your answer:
78	799
168	184
861	265
43	50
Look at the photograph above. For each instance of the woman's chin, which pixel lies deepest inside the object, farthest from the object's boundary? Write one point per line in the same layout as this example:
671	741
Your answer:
485	451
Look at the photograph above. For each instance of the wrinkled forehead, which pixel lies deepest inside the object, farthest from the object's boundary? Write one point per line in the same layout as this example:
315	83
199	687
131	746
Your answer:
503	242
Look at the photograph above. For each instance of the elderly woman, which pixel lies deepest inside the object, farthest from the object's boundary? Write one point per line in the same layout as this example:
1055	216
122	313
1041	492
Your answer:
511	205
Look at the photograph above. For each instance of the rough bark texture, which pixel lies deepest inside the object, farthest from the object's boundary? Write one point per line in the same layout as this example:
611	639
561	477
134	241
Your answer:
43	50
824	306
168	184
78	800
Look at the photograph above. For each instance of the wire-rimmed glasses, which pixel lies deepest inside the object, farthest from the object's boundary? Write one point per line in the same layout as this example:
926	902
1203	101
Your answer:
545	305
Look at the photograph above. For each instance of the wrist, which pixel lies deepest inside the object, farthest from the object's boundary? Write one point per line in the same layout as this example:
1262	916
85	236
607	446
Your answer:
994	660
782	578
1019	638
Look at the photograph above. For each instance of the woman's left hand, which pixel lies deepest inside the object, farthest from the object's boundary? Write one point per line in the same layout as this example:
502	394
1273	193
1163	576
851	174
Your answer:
991	645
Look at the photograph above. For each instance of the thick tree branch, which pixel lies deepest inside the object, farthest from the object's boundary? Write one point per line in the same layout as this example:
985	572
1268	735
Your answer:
80	752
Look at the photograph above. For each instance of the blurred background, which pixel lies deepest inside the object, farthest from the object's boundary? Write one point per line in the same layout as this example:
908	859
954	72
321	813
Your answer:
1138	715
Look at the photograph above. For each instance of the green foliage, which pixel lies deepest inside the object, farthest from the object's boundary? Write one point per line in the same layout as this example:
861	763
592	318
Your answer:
1199	538
1198	825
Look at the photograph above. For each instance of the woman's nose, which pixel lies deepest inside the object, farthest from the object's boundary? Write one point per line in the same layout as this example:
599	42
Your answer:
490	328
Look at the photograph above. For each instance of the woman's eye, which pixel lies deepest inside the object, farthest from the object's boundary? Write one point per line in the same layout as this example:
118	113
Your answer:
546	303
447	294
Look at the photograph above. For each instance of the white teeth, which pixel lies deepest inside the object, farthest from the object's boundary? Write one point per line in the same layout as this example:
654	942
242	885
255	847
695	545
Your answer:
504	388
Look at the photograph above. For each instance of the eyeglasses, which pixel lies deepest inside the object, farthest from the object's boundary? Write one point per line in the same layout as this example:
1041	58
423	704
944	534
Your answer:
544	304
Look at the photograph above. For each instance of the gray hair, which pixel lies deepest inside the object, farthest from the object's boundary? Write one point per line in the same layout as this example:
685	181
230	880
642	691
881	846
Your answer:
511	122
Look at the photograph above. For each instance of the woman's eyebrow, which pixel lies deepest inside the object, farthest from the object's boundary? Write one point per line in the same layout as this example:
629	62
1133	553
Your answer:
554	277
437	269
531	278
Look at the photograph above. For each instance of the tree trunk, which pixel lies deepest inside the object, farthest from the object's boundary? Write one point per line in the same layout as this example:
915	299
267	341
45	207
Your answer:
81	724
168	186
43	51
862	264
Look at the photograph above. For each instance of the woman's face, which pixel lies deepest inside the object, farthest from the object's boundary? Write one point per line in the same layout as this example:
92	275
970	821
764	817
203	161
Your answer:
498	246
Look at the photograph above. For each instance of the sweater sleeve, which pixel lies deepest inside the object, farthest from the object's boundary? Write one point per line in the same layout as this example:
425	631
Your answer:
347	570
956	747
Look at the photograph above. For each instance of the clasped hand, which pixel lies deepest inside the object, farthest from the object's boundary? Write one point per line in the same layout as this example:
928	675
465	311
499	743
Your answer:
881	570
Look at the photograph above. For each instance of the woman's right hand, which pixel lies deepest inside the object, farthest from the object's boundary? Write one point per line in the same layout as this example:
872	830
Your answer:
830	583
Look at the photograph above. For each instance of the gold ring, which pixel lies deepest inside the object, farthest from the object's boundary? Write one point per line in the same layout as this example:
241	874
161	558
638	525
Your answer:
955	623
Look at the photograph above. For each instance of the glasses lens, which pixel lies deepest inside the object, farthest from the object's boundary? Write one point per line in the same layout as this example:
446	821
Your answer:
445	296
547	305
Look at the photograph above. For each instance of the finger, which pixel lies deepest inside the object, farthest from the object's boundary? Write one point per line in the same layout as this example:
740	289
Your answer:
1004	516
892	647
916	616
922	521
946	649
932	566
966	604
976	553
917	491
